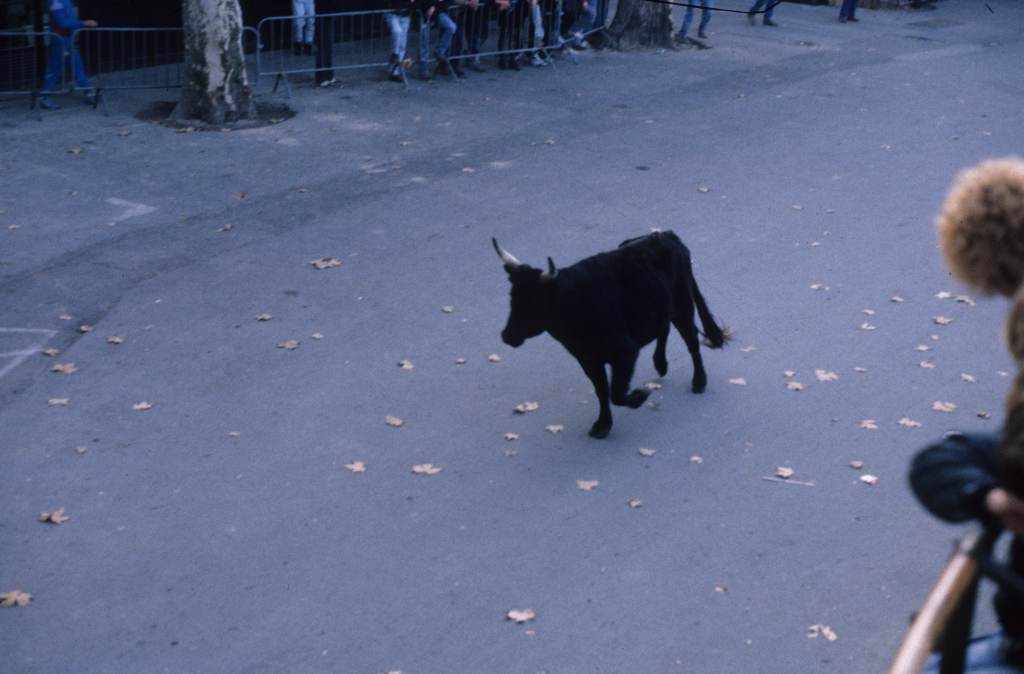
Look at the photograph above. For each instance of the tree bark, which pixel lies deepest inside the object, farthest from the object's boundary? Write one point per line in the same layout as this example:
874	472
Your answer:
638	23
215	89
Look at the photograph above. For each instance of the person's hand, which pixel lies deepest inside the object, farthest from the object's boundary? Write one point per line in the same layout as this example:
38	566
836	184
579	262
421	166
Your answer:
474	4
586	5
90	23
1007	508
430	12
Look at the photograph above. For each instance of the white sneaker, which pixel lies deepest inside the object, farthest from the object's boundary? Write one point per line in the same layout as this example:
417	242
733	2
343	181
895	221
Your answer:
329	83
538	61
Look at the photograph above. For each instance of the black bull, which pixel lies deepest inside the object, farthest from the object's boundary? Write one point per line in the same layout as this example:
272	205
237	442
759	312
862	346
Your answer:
604	309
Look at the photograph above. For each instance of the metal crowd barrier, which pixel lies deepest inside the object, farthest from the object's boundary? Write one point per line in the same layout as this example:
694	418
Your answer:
520	29
131	58
339	41
24	58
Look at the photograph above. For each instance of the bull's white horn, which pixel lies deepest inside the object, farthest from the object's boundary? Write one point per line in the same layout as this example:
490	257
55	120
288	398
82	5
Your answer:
507	258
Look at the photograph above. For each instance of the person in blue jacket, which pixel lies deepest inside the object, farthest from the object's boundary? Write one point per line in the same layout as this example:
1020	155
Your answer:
64	22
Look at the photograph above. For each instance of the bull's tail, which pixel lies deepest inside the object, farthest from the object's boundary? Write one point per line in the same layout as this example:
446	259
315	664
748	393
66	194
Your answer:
714	336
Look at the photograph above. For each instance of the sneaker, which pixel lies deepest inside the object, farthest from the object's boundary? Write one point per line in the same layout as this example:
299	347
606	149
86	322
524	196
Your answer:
476	65
537	61
47	103
582	45
457	69
680	36
395	75
702	35
769	22
751	18
297	49
328	83
852	19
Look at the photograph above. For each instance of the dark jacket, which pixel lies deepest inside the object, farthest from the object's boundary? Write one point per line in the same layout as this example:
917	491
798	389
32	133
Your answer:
951	480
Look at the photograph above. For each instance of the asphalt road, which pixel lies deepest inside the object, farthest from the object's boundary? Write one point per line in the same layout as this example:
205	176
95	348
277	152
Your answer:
220	530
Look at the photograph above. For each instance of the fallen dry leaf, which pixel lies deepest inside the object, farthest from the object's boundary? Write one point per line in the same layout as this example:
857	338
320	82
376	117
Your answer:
696	458
907	422
15	598
983	414
944	295
425	469
326	263
64	368
75	151
860	369
520	616
393	421
523	408
788	373
897	299
263	317
81	450
794	386
238	195
317	336
814	631
58	402
64	317
869	479
922	348
289	344
927	364
969	378
652	386
554	428
494	358
123	134
721	589
406	364
142	406
703	189
784	472
234	434
869	424
226	228
511	436
867	326
84	328
738	381
115	339
356	467
634	503
51	352
868	312
941	406
942	320
586	485
965	299
56	517
644	451
824	375
748	349
460	361
819	286
447	309
856	465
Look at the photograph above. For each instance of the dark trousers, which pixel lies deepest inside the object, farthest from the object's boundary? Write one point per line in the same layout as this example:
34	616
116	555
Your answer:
324	49
510	27
848	9
475	24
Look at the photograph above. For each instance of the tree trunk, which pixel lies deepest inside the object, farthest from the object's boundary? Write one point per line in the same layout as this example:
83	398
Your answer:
214	89
638	23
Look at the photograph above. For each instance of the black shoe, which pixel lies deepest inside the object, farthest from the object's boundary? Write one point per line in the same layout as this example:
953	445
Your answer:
852	19
297	49
702	35
769	22
513	64
502	63
457	69
307	49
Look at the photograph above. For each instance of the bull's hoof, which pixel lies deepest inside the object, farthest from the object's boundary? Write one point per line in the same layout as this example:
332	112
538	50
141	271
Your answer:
698	386
600	430
661	366
636	398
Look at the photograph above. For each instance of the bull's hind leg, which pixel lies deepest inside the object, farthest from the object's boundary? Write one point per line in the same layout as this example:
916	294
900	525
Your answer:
660	361
688	329
599	378
622	373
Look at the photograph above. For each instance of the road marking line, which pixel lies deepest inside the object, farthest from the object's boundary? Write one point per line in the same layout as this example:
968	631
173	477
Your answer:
19	357
132	209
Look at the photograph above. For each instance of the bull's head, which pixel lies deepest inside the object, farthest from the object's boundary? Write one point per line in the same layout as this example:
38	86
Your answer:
533	293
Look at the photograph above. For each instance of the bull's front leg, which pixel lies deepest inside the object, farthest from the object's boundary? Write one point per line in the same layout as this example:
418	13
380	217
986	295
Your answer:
622	373
660	361
599	378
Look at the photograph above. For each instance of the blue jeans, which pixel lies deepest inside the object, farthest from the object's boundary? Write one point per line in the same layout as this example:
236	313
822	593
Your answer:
399	27
446	28
705	17
303	26
984	656
848	8
761	3
55	65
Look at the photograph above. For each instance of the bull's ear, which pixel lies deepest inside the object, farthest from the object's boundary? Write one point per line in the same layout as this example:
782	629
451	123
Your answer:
551	273
507	258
